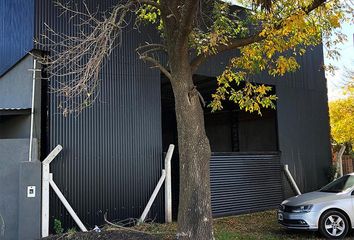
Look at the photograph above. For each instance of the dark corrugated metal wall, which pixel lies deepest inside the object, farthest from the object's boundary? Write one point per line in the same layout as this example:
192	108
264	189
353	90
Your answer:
302	113
245	182
303	123
112	157
16	31
99	143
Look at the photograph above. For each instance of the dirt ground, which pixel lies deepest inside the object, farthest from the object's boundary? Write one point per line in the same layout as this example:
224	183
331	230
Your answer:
255	226
104	235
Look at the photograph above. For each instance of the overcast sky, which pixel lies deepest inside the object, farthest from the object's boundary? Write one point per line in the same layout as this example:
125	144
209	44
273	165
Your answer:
346	61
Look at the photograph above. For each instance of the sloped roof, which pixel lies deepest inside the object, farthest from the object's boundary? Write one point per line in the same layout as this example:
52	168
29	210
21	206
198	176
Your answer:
14	111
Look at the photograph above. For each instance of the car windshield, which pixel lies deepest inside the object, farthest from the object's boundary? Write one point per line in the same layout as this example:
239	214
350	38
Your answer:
339	185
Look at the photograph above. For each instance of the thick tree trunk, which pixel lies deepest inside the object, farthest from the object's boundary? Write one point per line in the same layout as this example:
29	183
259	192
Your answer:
194	214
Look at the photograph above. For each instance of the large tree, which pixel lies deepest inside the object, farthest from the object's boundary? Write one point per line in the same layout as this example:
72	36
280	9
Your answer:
264	36
342	114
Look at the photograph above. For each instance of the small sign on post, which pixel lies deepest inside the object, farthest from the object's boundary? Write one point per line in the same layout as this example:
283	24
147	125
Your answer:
31	191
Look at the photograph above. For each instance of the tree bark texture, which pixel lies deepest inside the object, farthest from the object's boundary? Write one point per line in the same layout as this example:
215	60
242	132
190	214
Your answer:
194	213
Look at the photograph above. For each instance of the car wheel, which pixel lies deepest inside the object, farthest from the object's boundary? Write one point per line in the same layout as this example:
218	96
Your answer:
334	225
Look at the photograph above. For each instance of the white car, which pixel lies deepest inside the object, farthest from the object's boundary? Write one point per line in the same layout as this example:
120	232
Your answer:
329	210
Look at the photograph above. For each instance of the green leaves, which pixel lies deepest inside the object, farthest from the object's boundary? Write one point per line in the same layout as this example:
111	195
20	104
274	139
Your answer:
150	14
224	26
284	32
250	97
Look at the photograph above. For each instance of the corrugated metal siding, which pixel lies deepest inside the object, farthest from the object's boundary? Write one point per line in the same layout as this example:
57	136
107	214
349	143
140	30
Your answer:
112	157
303	122
16	31
93	146
302	114
244	182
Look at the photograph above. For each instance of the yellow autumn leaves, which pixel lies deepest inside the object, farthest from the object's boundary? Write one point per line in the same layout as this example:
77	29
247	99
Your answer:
341	113
287	32
342	120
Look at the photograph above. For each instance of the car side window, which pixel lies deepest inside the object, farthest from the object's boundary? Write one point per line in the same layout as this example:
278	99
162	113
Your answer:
349	183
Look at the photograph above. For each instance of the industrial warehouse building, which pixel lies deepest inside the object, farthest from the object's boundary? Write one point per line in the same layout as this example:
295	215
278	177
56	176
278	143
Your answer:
113	151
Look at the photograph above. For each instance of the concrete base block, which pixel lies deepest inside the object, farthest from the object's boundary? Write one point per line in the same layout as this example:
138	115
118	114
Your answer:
29	219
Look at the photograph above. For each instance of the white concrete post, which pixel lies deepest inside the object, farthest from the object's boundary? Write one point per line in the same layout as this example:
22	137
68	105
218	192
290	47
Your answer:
153	196
66	204
45	200
340	160
47	180
291	179
45	189
168	185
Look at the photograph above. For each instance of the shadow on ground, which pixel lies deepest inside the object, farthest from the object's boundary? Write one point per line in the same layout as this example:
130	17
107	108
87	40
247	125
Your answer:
105	235
255	226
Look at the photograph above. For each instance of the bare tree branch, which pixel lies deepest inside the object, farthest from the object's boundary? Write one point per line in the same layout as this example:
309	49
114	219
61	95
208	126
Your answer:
157	64
150	48
315	4
75	61
123	228
149	45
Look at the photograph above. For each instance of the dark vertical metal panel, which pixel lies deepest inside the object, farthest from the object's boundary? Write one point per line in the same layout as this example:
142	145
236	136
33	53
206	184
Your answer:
245	182
301	95
303	122
112	157
302	116
16	31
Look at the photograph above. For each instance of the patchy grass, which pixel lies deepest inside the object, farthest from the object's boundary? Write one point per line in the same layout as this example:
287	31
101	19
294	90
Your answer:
255	226
261	225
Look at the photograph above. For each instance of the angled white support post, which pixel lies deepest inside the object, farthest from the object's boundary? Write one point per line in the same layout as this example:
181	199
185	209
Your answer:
47	180
153	196
291	179
66	204
168	185
45	189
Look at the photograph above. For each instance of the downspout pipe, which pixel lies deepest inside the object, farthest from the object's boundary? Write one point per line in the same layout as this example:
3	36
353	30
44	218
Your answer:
32	108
